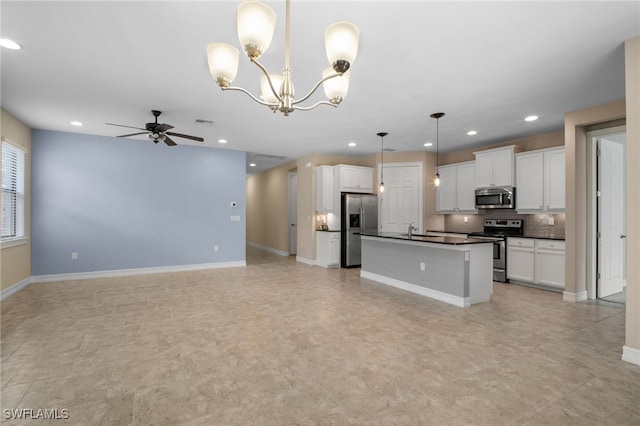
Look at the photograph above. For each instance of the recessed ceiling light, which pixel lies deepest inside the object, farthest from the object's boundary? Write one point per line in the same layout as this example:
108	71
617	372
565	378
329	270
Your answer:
472	132
76	123
252	164
9	44
352	144
428	144
222	141
531	118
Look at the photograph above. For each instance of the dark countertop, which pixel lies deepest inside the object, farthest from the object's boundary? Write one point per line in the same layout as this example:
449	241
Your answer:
425	239
326	230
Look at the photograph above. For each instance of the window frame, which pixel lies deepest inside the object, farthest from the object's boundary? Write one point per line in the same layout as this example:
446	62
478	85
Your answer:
17	191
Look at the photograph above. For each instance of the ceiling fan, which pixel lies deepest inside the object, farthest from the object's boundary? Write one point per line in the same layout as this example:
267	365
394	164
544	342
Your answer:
157	132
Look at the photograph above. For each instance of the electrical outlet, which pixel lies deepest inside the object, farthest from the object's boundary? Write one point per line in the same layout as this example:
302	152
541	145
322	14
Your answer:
216	248
423	267
551	220
74	256
465	219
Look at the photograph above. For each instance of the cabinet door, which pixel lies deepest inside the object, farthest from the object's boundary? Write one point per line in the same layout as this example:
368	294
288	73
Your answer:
484	170
365	179
466	184
334	250
348	178
554	180
324	189
529	182
550	267
520	263
503	167
446	192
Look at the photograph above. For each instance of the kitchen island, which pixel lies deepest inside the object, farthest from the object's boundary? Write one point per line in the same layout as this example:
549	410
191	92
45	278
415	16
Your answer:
454	270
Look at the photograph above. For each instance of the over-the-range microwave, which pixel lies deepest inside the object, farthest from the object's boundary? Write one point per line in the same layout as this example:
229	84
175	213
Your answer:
496	197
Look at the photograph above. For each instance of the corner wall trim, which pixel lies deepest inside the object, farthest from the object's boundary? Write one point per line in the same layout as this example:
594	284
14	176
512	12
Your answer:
574	297
271	249
305	260
15	288
462	302
115	273
137	271
631	355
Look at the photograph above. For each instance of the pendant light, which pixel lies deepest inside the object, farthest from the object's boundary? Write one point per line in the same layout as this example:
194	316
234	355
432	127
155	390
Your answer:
437	116
382	135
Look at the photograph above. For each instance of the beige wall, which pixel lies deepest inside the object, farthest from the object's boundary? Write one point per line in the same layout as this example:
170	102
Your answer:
544	140
632	78
15	262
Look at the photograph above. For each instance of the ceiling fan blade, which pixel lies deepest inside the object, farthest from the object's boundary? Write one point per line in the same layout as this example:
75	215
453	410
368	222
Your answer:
122	125
163	127
168	141
132	134
180	135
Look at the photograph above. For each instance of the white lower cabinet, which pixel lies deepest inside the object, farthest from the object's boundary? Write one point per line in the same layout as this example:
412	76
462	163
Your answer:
328	249
536	261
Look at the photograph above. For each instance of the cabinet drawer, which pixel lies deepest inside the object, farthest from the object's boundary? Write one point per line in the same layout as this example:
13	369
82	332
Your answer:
521	242
551	244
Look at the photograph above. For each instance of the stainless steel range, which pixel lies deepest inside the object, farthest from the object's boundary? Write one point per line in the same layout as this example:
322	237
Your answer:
500	229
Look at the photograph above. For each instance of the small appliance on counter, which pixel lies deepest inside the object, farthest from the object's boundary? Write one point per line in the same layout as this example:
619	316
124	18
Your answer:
359	214
496	197
500	229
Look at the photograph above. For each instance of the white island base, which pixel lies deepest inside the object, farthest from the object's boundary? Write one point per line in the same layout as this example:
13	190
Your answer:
459	274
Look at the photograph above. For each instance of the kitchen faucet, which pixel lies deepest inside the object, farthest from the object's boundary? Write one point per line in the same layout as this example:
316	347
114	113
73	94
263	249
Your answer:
411	229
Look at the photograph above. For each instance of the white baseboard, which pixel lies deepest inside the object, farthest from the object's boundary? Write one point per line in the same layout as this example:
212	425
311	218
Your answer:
631	355
15	288
115	273
301	259
574	297
266	248
462	302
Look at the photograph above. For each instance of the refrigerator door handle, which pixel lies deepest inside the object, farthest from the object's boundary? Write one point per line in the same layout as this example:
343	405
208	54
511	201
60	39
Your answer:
363	226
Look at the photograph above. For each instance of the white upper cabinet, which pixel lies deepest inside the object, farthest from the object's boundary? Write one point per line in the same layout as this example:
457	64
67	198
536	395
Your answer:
324	189
353	178
494	167
540	181
456	193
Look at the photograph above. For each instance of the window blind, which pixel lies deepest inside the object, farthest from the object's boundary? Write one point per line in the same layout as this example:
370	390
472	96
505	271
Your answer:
13	177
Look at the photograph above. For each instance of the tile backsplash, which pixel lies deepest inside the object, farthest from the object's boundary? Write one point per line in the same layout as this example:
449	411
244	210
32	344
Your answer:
535	225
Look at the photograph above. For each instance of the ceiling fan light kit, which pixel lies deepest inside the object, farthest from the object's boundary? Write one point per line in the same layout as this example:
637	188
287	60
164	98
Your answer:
157	132
255	26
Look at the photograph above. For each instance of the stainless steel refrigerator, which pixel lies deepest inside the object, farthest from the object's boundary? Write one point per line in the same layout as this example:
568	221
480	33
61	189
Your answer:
359	213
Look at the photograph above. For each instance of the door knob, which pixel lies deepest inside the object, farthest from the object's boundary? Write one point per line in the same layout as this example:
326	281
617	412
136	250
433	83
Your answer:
623	236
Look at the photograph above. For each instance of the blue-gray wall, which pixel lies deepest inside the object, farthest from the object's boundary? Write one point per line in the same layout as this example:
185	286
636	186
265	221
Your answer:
128	203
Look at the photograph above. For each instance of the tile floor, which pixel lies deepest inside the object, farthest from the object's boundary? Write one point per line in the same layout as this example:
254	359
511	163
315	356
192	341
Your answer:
283	343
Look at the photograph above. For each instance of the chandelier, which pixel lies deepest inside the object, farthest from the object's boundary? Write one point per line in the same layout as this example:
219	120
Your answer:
255	25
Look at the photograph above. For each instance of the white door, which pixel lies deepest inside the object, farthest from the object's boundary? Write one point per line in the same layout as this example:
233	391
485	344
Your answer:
401	202
293	213
611	219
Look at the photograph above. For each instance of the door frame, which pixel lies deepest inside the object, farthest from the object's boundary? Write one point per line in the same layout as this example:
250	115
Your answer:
592	205
293	214
420	189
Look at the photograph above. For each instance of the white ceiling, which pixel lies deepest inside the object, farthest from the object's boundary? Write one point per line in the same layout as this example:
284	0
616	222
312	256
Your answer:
487	65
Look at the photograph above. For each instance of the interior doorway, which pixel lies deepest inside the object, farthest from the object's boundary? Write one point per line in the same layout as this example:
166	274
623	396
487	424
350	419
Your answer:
401	202
293	214
609	219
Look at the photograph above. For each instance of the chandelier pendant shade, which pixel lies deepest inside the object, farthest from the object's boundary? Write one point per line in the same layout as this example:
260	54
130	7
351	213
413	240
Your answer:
255	26
437	116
